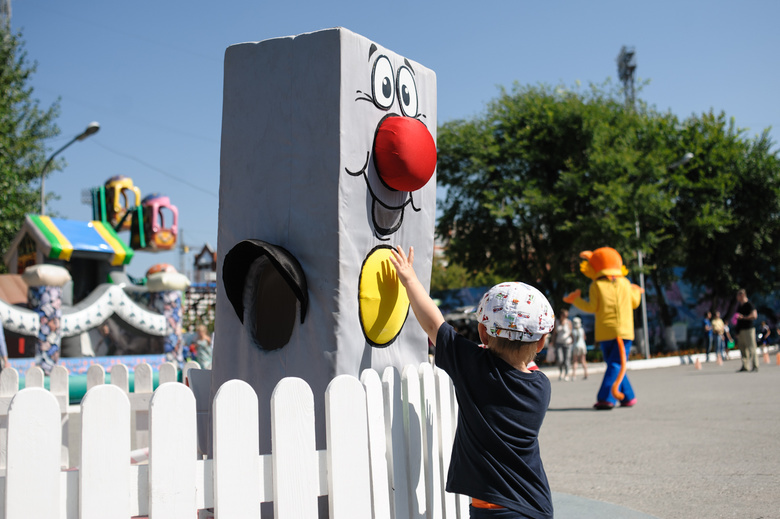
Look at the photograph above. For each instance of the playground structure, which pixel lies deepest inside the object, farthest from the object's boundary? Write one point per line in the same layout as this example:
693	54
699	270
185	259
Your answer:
111	201
80	267
118	202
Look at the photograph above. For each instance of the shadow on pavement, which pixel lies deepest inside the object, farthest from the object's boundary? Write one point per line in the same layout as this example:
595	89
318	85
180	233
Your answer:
574	507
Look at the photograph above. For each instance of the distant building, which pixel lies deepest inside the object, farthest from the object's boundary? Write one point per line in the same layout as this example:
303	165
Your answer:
205	265
200	299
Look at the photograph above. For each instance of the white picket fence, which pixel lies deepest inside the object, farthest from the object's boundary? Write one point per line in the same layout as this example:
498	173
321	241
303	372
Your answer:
388	448
96	375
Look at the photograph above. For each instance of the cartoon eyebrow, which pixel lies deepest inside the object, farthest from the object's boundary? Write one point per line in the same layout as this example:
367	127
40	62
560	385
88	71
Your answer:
409	65
371	51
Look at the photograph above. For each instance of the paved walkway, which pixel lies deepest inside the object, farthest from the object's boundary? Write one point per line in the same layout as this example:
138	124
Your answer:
701	443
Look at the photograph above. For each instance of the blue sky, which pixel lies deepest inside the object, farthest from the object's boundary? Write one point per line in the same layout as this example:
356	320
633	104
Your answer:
150	72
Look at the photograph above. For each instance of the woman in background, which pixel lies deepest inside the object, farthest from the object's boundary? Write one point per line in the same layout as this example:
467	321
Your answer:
579	349
203	342
719	334
563	342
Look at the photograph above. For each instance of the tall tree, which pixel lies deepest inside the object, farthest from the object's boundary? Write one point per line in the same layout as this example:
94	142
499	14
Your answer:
545	173
729	209
548	172
23	128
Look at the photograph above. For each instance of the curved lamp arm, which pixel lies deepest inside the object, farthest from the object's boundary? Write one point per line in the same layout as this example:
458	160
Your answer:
92	129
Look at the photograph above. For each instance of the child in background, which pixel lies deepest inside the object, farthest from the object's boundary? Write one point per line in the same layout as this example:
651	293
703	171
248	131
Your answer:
580	350
203	351
719	334
495	454
763	337
562	338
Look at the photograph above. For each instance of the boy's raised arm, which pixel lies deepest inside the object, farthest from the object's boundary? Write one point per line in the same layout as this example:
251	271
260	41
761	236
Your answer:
428	314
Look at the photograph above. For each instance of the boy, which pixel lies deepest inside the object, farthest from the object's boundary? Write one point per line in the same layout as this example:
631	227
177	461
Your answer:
495	455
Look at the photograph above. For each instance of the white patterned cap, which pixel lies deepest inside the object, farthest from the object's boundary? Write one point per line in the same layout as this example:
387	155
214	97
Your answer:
516	311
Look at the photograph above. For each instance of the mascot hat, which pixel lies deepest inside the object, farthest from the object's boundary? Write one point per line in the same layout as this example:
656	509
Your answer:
604	261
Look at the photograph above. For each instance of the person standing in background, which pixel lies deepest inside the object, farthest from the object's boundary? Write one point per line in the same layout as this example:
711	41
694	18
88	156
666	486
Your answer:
579	351
562	339
707	325
763	338
719	332
746	332
727	338
204	348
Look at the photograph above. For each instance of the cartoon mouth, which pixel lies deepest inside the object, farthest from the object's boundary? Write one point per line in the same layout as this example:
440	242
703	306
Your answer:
405	160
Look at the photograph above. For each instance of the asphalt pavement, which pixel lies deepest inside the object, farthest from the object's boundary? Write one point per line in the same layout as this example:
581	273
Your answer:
700	443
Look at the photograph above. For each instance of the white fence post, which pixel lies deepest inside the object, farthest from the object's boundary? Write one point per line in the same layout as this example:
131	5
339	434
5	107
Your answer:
295	459
172	453
388	449
33	461
104	471
143	386
397	441
120	377
33	377
446	436
431	446
96	376
9	386
237	474
167	372
377	442
59	386
413	424
346	427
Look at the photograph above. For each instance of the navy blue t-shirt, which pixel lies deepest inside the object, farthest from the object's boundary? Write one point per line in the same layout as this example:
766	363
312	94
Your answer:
495	455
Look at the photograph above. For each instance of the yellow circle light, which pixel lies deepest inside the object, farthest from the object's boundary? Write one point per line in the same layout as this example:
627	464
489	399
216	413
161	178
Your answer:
383	302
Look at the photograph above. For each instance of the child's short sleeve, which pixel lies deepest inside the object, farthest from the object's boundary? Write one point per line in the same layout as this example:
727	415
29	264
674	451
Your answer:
450	347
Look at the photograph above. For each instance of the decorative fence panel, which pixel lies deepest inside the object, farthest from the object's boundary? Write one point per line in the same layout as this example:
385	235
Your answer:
388	448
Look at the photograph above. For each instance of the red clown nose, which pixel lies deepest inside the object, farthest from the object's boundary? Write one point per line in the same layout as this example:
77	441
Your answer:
404	153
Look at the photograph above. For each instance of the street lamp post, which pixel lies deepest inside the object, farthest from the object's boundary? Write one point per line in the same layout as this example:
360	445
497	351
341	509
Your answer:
645	334
92	129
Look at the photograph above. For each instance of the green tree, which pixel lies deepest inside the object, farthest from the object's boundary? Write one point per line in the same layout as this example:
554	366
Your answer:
544	174
23	128
447	276
728	208
548	172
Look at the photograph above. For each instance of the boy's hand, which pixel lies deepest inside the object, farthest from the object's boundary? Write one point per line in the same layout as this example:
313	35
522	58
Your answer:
428	314
403	265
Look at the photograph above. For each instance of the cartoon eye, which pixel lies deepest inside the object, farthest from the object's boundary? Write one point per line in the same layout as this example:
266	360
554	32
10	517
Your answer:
382	82
407	92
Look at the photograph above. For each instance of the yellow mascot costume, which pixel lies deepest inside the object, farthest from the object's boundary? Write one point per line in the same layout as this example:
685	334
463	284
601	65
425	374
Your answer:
612	298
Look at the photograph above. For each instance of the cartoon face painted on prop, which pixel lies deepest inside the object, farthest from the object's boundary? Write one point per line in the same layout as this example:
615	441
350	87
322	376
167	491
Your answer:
404	153
328	159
